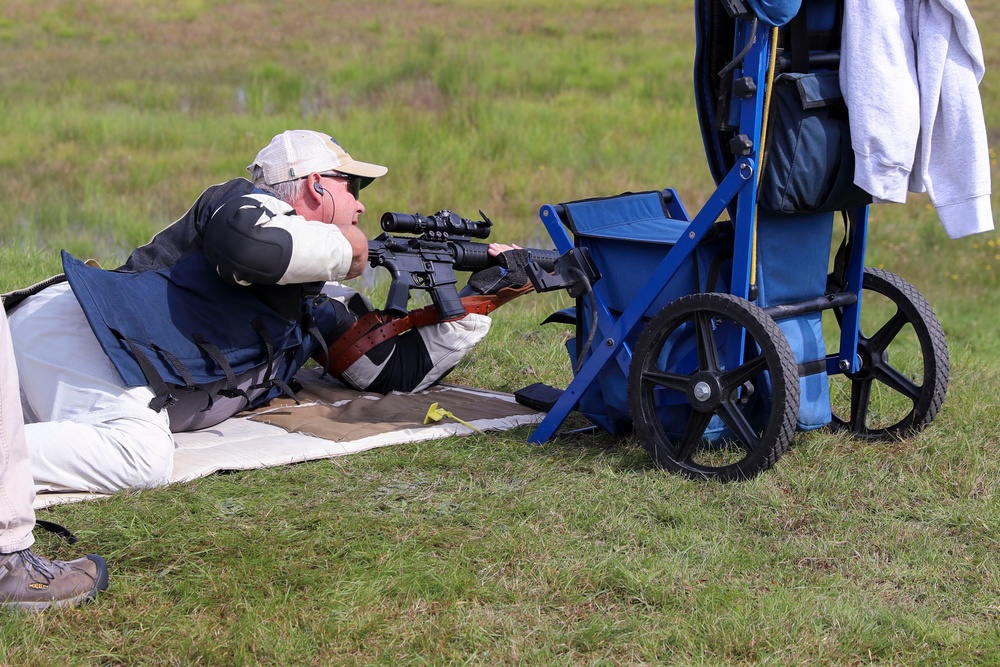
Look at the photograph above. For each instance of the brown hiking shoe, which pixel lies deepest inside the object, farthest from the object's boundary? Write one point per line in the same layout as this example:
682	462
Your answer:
28	581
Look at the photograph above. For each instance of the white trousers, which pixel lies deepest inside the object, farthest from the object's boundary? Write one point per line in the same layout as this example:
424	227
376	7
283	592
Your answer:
86	431
17	492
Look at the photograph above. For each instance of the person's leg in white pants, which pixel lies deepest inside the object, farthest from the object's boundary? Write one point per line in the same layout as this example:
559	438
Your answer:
86	430
17	493
28	581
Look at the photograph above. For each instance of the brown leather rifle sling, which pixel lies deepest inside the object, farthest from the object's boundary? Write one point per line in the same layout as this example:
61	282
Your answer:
377	326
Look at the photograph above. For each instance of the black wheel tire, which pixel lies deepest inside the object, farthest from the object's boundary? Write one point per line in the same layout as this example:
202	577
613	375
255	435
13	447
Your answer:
889	400
757	403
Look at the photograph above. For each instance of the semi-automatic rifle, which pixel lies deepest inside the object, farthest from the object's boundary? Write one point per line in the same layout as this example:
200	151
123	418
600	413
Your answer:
428	261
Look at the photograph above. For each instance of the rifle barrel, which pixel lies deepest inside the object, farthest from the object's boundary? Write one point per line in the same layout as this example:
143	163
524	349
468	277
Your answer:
471	256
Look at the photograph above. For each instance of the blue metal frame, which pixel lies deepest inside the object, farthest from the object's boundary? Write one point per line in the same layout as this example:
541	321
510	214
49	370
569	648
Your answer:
740	183
847	360
615	334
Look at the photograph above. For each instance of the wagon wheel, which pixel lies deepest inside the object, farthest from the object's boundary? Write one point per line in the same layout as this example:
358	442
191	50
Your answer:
904	363
695	416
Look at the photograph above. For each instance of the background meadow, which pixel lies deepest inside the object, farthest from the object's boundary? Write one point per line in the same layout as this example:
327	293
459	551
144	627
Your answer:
115	115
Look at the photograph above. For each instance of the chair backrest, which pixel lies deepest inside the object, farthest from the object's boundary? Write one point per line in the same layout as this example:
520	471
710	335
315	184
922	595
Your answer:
627	236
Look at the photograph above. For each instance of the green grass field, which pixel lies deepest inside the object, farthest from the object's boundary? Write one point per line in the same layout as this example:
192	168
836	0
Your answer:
115	115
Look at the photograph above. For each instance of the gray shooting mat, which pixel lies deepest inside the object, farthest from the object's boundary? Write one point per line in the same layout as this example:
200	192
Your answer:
332	420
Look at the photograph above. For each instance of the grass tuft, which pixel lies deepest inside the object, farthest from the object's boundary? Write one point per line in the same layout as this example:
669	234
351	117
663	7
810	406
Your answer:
482	550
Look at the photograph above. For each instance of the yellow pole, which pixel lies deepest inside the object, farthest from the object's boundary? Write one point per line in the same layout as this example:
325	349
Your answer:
773	59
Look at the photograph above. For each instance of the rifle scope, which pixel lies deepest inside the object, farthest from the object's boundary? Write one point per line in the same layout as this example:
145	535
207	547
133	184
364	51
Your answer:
441	224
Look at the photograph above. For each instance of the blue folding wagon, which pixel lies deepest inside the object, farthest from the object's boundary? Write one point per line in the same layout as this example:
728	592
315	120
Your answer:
704	336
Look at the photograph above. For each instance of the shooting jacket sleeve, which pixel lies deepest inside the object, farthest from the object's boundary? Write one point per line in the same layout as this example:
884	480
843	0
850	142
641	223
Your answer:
413	360
259	239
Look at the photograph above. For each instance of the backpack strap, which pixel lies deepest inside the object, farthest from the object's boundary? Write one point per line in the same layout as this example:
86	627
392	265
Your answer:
312	328
231	390
269	379
57	529
837	280
182	370
798	37
162	398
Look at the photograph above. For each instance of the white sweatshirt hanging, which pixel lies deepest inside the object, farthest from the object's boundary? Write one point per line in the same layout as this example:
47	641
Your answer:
910	73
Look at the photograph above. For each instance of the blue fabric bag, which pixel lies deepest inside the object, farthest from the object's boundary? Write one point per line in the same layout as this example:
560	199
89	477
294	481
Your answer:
628	236
776	13
793	260
809	164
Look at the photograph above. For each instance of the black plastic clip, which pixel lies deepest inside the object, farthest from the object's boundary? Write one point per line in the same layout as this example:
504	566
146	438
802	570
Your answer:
736	8
574	271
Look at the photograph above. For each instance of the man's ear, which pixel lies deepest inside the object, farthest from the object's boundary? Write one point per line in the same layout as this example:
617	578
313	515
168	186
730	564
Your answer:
314	189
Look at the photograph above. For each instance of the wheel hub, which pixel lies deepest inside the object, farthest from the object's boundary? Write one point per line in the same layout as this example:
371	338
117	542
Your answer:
705	392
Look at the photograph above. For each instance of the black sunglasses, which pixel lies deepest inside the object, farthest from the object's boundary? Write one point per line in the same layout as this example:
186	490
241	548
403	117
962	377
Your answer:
353	182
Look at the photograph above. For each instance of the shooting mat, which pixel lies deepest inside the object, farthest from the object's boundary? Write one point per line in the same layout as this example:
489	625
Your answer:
331	420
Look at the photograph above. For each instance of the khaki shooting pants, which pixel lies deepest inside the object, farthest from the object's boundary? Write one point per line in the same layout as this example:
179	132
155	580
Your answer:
17	491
